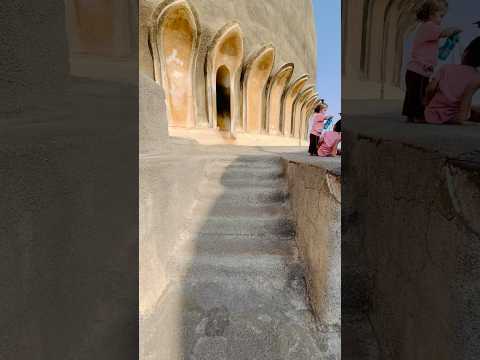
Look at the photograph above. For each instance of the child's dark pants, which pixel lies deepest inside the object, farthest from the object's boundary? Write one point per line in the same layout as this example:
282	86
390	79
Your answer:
312	149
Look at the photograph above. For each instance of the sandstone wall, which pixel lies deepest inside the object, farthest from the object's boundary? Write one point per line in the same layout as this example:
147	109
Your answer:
410	244
287	24
315	193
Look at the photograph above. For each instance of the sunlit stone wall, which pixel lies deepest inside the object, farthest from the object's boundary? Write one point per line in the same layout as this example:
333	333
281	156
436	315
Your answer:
287	25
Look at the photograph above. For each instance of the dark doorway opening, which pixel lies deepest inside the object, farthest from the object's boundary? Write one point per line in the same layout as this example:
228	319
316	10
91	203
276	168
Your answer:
223	98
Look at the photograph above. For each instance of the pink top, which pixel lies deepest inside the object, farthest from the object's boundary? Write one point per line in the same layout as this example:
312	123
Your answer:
329	142
453	80
425	49
317	126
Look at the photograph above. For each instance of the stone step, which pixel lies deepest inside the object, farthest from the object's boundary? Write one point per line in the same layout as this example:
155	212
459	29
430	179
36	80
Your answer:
220	319
245	182
249	161
222	245
227	207
242	197
228	174
266	272
277	226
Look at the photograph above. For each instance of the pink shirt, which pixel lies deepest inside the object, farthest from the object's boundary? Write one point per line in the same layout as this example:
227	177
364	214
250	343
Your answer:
425	49
317	126
453	80
329	142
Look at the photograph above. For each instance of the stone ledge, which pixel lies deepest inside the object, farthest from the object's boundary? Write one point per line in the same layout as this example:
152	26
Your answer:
299	155
459	143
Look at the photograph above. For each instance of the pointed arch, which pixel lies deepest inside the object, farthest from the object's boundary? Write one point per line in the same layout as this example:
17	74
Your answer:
306	106
287	103
275	88
223	71
374	41
255	77
297	108
174	41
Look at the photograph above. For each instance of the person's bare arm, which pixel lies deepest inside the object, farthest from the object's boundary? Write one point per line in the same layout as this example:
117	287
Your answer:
430	91
466	103
450	32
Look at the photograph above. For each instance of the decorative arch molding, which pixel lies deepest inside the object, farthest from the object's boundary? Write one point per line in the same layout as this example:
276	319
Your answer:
402	23
311	110
275	88
257	70
223	72
288	98
375	29
307	105
174	41
387	24
297	108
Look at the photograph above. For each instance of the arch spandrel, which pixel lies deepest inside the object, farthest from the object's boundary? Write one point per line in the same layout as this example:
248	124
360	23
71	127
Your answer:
226	53
257	70
288	98
174	34
275	88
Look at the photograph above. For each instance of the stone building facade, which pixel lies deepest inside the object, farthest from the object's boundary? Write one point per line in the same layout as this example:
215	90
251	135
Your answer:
230	64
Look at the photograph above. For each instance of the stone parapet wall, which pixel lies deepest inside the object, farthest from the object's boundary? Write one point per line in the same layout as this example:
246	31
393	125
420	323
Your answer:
168	184
315	194
410	240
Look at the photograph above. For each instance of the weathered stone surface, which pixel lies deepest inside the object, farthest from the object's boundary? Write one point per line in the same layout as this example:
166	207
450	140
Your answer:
153	127
315	199
168	183
410	239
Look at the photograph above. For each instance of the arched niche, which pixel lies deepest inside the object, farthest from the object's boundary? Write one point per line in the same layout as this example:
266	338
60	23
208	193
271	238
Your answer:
275	88
288	98
303	121
375	36
174	44
255	77
297	108
223	69
401	21
352	20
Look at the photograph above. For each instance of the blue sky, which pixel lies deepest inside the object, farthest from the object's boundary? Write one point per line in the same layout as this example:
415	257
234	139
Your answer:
329	38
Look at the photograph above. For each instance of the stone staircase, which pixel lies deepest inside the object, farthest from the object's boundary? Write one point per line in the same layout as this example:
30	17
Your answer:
237	288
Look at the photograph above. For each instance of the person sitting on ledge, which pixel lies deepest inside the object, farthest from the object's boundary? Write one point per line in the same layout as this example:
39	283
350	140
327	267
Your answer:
424	57
330	141
450	93
316	127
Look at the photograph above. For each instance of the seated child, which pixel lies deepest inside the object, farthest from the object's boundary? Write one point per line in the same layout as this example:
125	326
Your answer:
329	141
449	94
